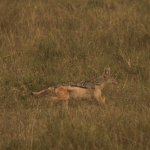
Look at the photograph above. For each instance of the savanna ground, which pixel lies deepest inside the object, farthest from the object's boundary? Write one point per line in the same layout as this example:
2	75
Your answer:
45	42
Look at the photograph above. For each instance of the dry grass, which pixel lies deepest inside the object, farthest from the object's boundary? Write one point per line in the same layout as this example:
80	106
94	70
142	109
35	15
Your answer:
47	42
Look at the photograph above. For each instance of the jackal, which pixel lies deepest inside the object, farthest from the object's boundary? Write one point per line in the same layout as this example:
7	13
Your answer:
84	89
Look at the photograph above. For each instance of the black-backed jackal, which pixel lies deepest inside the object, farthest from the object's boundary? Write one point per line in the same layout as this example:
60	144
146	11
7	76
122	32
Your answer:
84	89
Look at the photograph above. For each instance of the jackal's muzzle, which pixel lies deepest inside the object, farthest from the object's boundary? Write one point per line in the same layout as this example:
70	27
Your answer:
114	82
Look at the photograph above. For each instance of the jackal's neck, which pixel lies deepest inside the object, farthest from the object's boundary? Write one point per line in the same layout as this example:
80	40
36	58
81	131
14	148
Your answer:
101	86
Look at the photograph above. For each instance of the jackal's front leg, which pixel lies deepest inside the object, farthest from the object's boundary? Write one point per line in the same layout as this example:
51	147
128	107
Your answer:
64	102
102	100
61	94
98	96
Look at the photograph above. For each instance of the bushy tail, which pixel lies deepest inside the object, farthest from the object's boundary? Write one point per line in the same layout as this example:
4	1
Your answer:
43	92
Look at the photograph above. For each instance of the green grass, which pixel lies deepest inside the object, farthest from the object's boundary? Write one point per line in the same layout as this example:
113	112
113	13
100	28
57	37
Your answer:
43	43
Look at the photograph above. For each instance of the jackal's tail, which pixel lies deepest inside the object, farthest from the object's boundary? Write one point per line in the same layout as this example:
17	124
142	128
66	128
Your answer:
43	92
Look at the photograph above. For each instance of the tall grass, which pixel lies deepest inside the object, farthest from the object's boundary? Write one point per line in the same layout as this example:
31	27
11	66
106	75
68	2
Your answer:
51	41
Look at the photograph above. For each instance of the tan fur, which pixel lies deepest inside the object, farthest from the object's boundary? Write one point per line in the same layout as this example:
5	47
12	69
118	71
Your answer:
65	92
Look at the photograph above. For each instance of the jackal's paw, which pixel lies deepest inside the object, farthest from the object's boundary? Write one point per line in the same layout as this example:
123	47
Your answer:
104	99
35	94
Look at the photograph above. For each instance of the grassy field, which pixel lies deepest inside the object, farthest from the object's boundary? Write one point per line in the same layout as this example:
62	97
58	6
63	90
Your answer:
45	42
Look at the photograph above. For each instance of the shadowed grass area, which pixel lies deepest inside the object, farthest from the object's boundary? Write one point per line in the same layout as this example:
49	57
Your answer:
46	42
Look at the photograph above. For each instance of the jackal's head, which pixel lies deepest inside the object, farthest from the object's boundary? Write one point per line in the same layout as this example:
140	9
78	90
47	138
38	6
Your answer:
108	78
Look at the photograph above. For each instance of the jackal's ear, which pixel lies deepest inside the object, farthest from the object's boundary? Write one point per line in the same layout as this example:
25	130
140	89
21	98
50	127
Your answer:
107	71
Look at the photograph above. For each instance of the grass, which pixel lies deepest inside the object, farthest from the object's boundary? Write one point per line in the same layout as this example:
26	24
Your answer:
47	42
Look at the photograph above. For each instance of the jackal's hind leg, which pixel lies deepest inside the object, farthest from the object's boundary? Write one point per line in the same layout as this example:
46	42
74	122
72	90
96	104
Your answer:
43	92
63	100
61	94
65	104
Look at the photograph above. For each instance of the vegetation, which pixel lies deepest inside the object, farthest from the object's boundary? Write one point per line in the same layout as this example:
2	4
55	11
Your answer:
46	42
